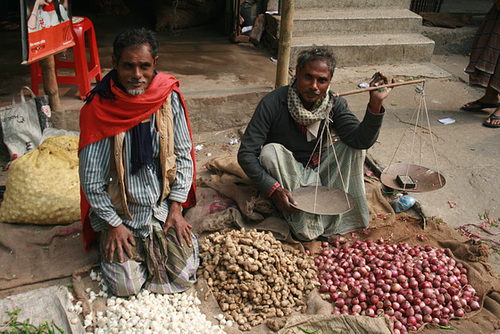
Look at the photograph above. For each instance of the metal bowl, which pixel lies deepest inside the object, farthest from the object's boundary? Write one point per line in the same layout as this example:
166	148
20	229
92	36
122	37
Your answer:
322	200
425	179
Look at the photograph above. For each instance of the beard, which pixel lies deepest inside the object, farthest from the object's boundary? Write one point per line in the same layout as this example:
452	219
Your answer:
136	92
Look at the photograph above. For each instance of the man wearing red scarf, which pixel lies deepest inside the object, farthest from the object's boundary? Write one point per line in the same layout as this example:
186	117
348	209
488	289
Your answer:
137	172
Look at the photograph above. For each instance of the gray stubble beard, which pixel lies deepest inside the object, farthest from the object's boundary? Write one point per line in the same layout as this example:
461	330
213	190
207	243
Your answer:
136	92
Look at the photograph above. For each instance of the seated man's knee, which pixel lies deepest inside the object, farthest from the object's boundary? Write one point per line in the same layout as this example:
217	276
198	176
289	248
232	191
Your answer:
269	154
124	279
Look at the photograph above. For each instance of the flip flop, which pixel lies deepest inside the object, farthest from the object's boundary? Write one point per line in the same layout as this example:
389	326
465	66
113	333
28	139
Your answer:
492	118
482	106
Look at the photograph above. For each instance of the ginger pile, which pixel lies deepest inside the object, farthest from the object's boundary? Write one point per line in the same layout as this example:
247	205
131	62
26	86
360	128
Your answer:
255	277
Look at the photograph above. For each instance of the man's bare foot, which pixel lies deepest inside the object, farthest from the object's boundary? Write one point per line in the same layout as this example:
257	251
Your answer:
493	121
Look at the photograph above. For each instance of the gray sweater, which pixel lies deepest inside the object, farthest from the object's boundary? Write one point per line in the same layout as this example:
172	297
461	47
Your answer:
272	123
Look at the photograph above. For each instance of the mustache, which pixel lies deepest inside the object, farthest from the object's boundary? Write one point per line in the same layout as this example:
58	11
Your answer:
313	92
133	81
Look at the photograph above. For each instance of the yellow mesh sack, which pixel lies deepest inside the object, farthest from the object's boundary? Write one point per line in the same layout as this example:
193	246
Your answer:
43	186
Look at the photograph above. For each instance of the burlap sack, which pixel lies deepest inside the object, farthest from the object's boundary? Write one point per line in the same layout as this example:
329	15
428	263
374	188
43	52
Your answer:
228	164
40	253
231	181
43	186
209	214
345	324
381	211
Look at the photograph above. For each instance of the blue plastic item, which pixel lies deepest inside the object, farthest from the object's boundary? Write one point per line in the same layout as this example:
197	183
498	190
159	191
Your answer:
403	203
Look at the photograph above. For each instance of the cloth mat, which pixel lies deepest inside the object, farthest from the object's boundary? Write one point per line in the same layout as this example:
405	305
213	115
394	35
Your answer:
40	306
36	253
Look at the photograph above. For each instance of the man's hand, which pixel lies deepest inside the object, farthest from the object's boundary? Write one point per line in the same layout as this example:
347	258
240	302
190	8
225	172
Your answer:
178	223
119	239
378	96
283	198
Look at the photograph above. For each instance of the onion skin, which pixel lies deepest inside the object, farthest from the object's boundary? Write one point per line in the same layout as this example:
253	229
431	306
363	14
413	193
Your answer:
410	286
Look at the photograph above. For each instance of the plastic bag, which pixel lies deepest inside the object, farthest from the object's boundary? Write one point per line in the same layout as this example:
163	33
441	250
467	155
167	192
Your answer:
53	132
21	123
403	203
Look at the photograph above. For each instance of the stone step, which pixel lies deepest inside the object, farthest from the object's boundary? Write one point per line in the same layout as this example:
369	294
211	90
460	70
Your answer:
342	4
349	21
369	49
218	110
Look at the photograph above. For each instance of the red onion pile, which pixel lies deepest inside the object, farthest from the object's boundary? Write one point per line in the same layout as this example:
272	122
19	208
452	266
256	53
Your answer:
409	285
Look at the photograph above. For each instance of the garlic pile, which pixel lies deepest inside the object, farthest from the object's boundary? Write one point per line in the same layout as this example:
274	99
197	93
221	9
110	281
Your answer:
146	313
150	313
255	277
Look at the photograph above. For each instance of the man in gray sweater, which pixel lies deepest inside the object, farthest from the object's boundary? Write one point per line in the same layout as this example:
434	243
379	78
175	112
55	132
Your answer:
279	150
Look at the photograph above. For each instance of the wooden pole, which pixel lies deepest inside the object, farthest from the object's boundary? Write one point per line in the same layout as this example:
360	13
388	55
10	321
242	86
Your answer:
411	82
284	43
50	82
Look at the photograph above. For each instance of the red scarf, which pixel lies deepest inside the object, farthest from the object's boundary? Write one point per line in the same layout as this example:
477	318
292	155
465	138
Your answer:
103	118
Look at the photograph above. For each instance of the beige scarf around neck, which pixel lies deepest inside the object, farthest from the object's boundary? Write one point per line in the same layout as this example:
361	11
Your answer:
311	119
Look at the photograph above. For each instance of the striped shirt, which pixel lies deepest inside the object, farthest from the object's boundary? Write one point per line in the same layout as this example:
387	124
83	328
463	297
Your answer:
143	188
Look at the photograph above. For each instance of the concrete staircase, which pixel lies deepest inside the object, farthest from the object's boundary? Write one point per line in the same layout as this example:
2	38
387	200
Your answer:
361	32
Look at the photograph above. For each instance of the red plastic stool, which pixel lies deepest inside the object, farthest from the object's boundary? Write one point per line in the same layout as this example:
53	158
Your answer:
85	70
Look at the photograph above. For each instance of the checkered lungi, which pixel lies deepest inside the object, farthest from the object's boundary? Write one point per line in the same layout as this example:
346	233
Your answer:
483	67
159	264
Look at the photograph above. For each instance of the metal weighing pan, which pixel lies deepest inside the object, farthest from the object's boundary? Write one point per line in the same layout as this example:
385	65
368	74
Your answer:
426	179
322	200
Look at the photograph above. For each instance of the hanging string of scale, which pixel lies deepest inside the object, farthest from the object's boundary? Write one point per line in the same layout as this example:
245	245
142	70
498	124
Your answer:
419	116
327	201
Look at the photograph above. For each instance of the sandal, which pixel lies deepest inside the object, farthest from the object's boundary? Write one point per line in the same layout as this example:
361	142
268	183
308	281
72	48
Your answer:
492	118
482	105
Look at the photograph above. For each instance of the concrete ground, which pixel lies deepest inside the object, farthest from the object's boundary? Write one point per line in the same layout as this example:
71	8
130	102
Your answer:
206	63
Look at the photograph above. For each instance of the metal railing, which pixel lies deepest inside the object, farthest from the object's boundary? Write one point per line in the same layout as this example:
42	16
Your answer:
418	6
